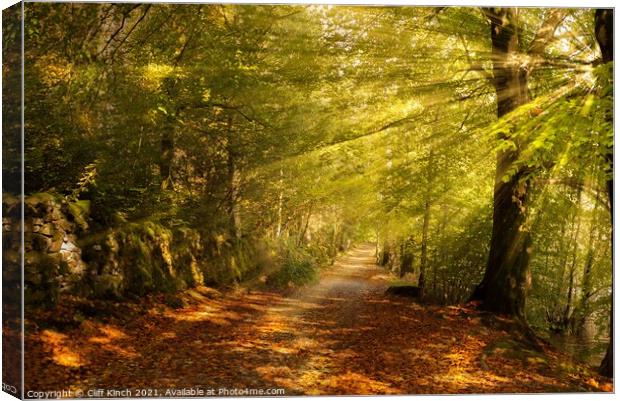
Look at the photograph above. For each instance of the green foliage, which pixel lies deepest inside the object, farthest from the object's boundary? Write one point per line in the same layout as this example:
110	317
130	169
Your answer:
296	267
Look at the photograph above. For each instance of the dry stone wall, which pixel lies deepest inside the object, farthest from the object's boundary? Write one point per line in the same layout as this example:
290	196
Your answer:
52	261
65	255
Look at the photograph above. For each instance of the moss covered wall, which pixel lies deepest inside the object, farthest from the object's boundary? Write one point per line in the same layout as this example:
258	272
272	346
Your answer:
64	255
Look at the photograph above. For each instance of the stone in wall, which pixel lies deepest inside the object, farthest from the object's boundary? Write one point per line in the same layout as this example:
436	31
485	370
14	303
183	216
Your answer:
52	260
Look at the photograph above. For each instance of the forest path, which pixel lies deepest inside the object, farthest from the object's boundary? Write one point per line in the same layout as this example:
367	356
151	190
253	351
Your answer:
339	336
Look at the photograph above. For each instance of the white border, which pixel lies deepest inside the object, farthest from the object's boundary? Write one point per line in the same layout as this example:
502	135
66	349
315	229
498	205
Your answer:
520	3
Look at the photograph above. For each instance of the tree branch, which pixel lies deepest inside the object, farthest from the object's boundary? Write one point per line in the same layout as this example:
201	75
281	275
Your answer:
236	109
146	10
545	33
120	28
475	66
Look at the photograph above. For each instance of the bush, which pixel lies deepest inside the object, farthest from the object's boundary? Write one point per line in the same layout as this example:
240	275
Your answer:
297	267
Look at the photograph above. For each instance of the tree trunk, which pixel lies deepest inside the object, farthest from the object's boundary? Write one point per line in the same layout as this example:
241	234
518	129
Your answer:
506	280
424	245
167	139
406	256
302	234
231	183
441	258
427	214
566	315
586	292
586	281
563	250
385	254
280	202
335	246
603	30
377	244
166	154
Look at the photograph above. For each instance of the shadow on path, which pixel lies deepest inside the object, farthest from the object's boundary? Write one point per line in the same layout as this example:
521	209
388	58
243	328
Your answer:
340	336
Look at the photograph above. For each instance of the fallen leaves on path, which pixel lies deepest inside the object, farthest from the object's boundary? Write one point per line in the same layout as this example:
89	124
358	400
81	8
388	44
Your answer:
341	336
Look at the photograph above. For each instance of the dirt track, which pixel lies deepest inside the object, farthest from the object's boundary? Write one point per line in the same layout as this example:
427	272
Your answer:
339	336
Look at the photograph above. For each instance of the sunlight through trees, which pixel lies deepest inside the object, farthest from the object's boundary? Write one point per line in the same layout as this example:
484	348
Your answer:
214	145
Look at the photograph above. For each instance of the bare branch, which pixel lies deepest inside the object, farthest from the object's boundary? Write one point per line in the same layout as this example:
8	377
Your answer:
120	28
146	10
475	66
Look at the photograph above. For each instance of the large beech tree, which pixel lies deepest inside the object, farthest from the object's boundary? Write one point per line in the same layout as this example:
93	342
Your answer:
504	286
604	32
